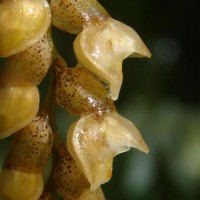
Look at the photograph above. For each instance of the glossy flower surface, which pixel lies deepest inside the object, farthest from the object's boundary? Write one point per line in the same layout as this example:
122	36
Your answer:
71	16
94	142
18	185
28	67
102	48
18	107
22	23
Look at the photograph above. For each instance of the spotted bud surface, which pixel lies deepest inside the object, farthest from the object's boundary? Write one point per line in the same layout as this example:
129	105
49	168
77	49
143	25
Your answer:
80	92
18	185
72	15
102	48
31	147
30	66
18	107
22	23
71	183
93	143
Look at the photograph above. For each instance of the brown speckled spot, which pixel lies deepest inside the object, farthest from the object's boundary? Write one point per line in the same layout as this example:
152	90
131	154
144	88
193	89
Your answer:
31	146
30	66
81	93
71	183
73	15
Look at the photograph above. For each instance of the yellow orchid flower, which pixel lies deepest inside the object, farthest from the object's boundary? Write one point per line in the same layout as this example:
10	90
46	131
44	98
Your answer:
94	142
102	48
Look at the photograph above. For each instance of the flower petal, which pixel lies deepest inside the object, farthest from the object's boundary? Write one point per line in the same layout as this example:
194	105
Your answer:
87	145
94	142
102	48
126	42
122	133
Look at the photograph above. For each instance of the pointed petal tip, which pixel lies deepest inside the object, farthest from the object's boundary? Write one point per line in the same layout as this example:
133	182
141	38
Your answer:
141	146
144	54
148	53
145	149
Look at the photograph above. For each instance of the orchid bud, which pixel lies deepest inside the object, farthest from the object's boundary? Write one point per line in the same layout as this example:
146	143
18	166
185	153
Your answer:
28	67
31	146
19	105
18	185
22	173
93	143
71	16
102	48
22	23
81	93
70	181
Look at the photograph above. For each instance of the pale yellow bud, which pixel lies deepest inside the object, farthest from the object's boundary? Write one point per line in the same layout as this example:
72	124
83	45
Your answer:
18	106
31	146
70	181
28	67
22	23
80	92
93	143
18	185
71	16
102	48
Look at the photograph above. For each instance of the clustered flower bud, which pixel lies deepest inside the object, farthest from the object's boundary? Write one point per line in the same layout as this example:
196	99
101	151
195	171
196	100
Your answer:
19	105
22	173
73	15
87	91
28	67
22	23
70	181
80	92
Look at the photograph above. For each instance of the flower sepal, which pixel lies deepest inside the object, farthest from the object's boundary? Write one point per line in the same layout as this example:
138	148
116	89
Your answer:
102	48
94	142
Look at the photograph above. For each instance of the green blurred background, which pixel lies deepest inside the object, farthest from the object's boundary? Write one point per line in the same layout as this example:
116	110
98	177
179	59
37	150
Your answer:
160	95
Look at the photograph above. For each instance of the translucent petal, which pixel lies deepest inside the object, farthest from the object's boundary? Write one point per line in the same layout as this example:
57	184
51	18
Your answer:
86	143
126	42
122	133
102	48
94	142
